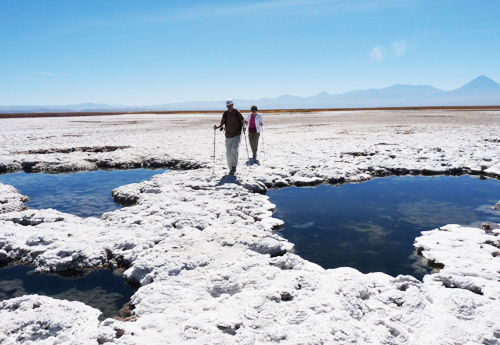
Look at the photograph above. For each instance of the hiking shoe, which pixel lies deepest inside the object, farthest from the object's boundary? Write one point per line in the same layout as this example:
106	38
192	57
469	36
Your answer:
232	171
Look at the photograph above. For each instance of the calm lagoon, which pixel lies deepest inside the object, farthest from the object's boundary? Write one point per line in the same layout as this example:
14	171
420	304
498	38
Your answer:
103	289
84	194
371	226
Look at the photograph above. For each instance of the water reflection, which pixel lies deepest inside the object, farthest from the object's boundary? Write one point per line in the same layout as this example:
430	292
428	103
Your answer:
102	289
84	194
372	226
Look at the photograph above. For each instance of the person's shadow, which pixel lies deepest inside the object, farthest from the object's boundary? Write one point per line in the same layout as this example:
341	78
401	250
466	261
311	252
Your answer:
251	162
229	179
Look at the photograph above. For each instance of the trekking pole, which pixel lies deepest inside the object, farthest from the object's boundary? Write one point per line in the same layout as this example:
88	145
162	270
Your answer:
213	170
248	156
263	146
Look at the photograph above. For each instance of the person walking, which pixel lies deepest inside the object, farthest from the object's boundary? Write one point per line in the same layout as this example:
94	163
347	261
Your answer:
234	124
254	123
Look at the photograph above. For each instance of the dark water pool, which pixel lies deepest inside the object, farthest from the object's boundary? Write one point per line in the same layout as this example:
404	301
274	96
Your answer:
371	226
84	194
102	289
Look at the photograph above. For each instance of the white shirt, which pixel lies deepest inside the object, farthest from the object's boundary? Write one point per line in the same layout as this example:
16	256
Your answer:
258	121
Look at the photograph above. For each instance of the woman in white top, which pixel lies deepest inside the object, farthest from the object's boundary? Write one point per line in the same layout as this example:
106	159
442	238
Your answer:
254	124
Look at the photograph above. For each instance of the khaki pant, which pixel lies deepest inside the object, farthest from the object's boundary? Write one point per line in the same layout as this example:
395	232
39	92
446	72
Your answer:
254	142
232	145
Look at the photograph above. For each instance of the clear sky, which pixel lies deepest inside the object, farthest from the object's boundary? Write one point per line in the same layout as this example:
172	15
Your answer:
58	52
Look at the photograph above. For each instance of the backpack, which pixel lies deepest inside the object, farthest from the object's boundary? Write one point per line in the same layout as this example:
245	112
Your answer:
224	116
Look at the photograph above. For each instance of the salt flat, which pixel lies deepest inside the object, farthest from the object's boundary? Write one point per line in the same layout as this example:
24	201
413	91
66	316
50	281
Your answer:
201	246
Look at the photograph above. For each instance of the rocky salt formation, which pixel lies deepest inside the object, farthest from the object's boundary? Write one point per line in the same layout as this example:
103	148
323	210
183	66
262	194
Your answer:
91	158
202	247
54	241
469	258
38	319
11	200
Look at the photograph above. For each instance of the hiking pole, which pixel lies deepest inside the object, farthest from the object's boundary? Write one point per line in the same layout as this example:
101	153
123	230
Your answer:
213	170
263	146
248	156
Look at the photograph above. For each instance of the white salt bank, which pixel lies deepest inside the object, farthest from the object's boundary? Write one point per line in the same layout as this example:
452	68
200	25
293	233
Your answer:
202	248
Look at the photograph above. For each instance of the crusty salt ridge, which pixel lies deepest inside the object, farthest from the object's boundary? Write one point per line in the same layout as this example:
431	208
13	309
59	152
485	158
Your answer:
479	274
44	320
201	246
11	200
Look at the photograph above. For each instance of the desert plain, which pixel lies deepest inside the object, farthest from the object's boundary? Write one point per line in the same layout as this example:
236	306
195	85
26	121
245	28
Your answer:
201	244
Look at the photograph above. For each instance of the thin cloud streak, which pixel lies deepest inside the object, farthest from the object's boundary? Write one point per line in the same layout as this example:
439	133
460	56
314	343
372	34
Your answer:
30	75
312	7
266	8
269	8
53	74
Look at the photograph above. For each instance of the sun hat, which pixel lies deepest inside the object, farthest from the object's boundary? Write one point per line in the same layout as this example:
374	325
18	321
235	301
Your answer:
229	101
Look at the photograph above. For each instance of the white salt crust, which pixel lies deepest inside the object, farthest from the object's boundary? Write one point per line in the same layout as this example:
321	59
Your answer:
201	246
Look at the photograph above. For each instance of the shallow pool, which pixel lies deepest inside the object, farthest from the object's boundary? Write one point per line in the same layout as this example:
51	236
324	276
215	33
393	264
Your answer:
84	194
371	226
103	289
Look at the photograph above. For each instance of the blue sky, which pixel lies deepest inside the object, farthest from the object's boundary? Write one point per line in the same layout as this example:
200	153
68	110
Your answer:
153	52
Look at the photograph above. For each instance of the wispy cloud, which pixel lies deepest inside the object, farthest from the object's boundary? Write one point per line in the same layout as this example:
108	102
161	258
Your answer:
45	73
399	47
396	49
30	75
377	54
311	6
263	8
58	74
256	9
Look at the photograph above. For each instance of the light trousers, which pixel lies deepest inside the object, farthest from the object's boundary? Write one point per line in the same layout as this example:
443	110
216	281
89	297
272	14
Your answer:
232	145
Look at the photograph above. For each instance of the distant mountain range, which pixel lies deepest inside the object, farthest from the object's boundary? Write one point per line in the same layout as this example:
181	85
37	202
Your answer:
480	91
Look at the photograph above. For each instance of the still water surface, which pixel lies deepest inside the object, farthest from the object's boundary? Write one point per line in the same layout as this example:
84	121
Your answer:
102	289
84	194
371	226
